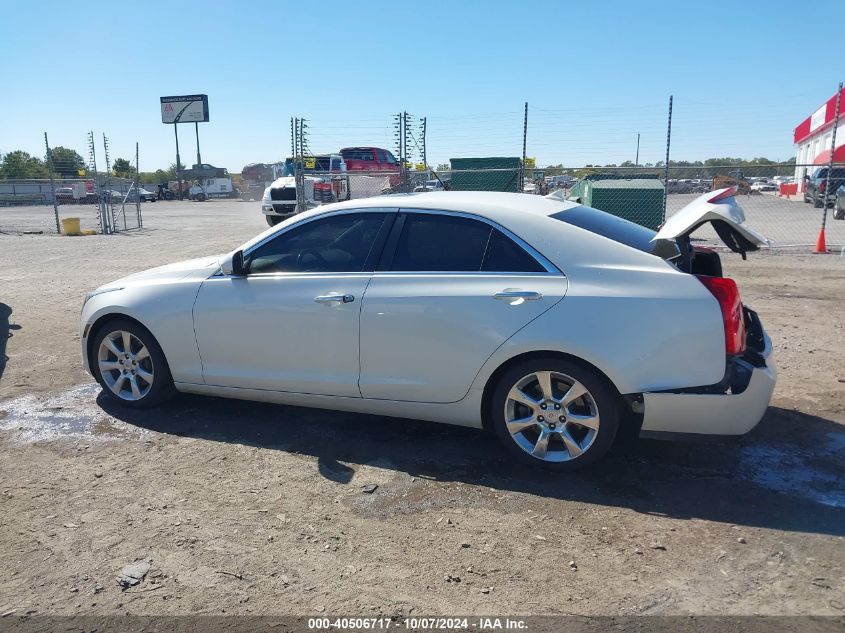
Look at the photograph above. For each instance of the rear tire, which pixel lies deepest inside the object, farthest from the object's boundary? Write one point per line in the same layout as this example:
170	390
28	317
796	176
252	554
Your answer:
130	365
838	212
556	414
817	204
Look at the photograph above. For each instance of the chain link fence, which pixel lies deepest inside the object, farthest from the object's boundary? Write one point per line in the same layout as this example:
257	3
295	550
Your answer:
777	200
68	187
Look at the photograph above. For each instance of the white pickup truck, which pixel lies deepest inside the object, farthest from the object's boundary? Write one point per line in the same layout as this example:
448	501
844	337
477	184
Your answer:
326	180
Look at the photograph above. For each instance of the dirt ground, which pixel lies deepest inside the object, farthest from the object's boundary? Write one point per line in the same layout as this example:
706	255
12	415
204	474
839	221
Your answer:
256	509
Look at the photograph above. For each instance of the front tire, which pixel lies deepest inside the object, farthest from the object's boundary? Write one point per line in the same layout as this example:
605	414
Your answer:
130	366
272	220
554	413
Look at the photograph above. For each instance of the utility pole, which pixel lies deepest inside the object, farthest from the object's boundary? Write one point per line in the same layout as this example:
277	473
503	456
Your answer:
524	148
666	167
637	160
52	183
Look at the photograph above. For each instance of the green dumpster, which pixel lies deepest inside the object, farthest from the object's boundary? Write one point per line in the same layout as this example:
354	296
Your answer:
638	199
485	174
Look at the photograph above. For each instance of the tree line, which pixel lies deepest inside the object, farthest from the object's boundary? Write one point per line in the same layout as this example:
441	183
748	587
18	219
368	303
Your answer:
68	164
682	169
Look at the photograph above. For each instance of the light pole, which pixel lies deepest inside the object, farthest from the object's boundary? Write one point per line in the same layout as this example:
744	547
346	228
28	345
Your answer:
637	159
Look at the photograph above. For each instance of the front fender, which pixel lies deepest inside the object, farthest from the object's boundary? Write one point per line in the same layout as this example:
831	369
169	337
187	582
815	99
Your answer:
165	309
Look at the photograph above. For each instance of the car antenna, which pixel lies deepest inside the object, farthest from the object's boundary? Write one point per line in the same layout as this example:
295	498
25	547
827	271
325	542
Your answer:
442	184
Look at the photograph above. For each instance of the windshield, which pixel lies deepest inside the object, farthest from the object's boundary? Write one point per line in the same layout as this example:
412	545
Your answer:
609	226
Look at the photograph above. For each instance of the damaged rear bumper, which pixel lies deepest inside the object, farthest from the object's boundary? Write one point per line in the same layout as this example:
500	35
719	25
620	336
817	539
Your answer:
734	412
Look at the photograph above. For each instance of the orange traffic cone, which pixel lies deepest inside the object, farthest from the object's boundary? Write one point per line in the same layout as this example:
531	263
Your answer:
821	245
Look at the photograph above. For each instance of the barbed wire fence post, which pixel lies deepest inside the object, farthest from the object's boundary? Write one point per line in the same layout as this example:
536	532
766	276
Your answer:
821	245
666	167
423	124
109	203
50	168
138	186
102	222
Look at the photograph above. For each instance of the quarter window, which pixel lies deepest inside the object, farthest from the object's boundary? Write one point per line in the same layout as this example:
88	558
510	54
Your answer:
505	255
340	243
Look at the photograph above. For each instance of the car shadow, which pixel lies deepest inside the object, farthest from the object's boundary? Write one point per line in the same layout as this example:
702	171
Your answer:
772	478
5	334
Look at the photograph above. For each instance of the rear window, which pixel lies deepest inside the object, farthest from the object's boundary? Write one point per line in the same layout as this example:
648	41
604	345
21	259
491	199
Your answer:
357	153
609	226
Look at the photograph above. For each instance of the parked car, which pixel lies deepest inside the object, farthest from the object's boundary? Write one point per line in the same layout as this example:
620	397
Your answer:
815	184
680	186
839	204
556	326
64	195
372	159
433	185
762	185
143	194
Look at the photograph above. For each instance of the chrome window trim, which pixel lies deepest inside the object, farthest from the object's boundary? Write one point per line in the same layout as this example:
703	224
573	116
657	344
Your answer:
551	269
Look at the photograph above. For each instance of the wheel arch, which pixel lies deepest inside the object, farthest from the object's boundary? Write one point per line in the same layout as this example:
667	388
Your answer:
101	321
494	378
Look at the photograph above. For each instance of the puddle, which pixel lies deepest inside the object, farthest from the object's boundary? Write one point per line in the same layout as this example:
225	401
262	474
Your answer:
817	477
68	414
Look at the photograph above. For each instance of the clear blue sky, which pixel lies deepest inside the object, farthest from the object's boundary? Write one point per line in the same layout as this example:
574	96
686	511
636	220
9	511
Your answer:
594	75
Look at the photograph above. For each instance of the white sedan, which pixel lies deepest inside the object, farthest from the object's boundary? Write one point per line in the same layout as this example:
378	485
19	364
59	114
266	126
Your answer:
556	326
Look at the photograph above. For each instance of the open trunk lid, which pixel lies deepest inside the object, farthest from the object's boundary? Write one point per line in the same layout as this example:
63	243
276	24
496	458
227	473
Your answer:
721	210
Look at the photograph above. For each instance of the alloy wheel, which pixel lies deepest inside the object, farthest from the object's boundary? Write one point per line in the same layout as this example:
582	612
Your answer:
551	416
126	365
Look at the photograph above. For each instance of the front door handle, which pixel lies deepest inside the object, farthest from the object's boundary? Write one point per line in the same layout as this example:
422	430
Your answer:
514	295
335	299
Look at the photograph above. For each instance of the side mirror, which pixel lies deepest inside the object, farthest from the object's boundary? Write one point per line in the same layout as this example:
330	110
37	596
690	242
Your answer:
233	264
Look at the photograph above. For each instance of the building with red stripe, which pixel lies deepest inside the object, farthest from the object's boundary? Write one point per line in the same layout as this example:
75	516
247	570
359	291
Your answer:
812	138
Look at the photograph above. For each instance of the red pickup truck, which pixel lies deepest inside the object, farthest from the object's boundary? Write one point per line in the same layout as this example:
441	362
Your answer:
372	159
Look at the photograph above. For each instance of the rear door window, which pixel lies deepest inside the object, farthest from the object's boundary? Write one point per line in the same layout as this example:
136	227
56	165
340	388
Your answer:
444	243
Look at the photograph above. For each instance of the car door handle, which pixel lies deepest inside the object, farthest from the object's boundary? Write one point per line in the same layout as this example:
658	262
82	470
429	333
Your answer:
514	295
335	299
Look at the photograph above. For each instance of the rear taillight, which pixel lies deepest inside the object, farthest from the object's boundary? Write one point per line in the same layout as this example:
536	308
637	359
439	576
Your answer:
822	186
727	294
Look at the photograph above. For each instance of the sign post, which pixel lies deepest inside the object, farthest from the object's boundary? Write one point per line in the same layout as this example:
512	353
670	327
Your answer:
184	109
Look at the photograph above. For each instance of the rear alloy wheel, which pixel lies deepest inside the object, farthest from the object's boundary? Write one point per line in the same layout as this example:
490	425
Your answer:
555	413
130	366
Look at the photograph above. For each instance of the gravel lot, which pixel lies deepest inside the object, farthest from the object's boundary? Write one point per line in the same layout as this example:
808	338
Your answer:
248	508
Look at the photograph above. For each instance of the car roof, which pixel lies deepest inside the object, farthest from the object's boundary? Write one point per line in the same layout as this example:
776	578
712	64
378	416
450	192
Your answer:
525	215
496	206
